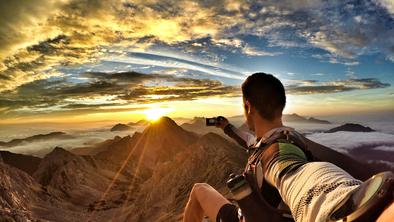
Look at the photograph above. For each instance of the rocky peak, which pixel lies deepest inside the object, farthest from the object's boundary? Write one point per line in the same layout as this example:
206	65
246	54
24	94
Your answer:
164	121
59	152
159	142
51	163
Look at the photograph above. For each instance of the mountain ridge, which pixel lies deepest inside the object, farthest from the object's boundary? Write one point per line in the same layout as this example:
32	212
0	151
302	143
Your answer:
38	137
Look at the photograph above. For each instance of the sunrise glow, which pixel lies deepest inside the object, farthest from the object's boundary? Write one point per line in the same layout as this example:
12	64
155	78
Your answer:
154	114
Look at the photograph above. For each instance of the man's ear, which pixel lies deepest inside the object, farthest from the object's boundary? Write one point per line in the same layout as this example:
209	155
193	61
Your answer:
247	107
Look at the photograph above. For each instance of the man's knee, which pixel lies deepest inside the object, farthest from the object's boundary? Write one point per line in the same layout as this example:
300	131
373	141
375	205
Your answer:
199	188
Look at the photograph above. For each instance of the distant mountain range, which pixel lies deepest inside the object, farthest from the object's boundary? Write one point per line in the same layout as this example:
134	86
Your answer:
288	118
35	138
297	118
129	126
142	122
351	127
120	127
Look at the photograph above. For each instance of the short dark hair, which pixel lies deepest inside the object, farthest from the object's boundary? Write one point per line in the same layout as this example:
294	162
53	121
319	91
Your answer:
266	93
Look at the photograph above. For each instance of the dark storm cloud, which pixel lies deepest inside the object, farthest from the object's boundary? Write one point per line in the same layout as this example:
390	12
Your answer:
315	87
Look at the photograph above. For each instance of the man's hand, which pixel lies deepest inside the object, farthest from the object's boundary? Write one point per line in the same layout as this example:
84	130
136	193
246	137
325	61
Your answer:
221	122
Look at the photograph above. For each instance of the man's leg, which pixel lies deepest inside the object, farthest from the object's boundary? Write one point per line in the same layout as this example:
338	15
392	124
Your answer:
387	215
203	200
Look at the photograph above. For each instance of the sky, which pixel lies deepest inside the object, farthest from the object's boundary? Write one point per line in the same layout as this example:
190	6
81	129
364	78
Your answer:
99	60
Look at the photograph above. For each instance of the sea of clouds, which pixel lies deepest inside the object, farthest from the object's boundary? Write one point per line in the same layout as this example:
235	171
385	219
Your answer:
383	139
80	139
346	141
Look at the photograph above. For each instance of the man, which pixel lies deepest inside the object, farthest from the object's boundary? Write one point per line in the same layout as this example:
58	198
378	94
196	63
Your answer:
312	190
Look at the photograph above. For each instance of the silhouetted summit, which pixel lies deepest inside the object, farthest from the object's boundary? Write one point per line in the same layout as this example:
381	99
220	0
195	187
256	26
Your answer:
351	127
159	142
164	121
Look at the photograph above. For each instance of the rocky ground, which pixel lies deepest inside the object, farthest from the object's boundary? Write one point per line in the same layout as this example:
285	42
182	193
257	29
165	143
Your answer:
144	177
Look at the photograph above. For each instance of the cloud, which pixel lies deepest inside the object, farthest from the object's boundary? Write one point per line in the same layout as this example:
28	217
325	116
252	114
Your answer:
171	61
385	148
107	92
251	51
326	25
22	23
314	87
346	141
238	45
38	39
387	4
71	32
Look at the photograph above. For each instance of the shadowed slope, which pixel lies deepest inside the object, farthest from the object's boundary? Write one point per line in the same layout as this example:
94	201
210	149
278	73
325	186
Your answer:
27	163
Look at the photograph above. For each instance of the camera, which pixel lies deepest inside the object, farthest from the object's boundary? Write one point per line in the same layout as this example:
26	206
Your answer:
238	186
213	121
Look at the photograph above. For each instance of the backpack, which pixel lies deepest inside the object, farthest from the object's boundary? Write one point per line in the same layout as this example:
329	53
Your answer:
263	203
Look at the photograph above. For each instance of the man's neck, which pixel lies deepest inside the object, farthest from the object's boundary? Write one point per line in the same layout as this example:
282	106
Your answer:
262	126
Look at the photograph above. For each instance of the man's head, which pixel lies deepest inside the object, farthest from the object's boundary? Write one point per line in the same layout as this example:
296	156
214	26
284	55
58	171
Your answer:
264	97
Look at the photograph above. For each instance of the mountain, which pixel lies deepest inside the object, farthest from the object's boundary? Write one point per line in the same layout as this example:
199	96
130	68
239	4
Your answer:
62	189
79	182
163	196
239	119
319	121
121	127
35	138
142	122
160	141
297	118
26	163
61	168
96	148
18	192
351	127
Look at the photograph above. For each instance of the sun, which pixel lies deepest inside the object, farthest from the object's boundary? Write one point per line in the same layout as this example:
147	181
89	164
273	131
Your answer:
154	114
